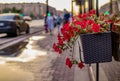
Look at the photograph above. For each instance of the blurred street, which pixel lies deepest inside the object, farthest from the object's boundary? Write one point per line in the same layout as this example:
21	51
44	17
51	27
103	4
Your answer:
37	62
29	55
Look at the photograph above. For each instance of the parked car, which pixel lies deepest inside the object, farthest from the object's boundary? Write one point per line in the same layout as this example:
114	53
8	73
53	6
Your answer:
13	24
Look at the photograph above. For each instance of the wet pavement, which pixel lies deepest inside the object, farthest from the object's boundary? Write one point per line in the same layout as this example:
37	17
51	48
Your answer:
14	50
36	62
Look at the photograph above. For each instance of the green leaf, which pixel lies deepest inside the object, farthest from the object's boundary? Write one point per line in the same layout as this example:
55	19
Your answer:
75	62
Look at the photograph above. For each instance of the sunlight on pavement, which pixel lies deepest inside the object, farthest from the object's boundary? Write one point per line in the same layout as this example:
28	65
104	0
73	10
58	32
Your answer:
27	66
14	74
31	52
38	37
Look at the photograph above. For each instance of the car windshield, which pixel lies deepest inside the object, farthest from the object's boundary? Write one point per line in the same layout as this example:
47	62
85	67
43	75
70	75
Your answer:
6	17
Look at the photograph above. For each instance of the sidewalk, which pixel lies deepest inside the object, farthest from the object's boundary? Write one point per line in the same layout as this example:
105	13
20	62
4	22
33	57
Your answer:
61	71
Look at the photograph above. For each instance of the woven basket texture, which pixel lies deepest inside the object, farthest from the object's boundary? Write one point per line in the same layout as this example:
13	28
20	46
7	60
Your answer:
97	48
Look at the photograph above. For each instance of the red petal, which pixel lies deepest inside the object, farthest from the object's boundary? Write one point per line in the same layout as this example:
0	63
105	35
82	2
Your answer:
80	65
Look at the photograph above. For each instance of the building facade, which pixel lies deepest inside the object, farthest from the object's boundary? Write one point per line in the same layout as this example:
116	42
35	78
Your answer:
37	10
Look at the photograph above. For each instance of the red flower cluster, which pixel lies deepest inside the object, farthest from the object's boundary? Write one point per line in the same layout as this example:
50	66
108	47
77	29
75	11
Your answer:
56	48
82	24
69	63
80	65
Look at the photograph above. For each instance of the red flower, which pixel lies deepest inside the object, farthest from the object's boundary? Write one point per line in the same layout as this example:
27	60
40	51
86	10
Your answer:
58	35
96	28
84	16
91	12
90	22
68	62
80	65
59	51
114	28
79	16
55	47
76	30
66	36
83	24
73	18
109	21
66	26
77	22
60	40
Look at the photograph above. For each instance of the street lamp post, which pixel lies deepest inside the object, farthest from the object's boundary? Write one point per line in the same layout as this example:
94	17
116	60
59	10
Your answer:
110	6
47	11
80	7
84	7
72	7
90	5
47	7
97	64
97	12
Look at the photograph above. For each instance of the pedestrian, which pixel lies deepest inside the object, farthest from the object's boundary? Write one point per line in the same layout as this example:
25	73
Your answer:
66	17
50	22
58	21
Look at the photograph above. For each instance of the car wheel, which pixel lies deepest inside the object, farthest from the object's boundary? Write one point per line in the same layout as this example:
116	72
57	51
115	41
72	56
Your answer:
17	33
9	34
28	30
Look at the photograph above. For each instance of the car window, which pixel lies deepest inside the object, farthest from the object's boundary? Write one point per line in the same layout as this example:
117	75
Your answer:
6	17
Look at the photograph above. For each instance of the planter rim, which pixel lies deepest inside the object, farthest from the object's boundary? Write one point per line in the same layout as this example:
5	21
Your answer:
96	33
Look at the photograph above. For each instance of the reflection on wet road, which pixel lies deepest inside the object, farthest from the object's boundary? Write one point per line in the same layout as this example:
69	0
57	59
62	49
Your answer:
28	50
25	51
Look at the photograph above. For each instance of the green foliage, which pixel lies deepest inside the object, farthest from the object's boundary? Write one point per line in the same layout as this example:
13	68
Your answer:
13	10
75	62
6	10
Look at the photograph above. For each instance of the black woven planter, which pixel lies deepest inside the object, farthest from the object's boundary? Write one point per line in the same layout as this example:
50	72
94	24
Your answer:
97	48
116	46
